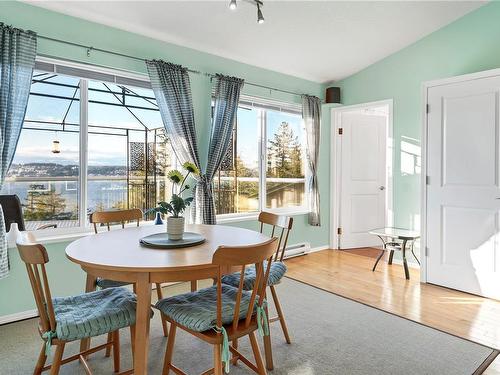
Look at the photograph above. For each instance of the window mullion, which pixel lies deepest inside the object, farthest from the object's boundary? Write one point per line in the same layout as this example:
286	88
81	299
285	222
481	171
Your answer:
83	151
262	159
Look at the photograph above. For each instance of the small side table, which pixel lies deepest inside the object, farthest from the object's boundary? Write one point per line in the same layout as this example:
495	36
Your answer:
396	239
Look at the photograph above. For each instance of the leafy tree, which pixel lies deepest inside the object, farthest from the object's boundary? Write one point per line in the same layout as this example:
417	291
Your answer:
43	204
284	154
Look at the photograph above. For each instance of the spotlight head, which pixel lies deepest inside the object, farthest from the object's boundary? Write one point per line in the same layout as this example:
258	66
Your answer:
260	17
233	5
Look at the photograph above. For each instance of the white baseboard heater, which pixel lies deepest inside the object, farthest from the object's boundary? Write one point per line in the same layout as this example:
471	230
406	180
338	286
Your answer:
297	250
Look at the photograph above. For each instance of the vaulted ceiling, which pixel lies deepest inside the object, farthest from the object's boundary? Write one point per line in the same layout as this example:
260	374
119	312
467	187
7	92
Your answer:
317	40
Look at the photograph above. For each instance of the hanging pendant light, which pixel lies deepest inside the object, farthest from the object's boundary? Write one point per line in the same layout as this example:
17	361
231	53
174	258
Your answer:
55	146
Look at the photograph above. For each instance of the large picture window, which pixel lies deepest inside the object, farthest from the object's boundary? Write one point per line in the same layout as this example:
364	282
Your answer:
265	167
112	131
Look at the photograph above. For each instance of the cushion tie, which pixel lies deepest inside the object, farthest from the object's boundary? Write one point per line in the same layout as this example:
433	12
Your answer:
225	348
48	336
262	323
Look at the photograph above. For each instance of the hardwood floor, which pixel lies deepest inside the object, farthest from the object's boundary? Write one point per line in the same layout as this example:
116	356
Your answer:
348	273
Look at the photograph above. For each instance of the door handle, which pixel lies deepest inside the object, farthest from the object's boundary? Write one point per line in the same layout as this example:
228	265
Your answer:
383	188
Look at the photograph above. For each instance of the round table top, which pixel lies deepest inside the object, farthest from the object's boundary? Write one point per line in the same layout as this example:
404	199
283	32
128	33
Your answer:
120	249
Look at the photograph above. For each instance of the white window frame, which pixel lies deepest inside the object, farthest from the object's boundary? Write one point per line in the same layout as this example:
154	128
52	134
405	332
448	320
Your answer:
264	105
93	72
89	72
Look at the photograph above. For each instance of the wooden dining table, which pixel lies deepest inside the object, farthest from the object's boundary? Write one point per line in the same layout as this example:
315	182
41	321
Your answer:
118	255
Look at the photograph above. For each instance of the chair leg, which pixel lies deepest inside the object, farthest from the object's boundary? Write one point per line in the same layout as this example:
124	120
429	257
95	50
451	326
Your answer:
132	340
268	349
256	354
159	293
56	362
170	350
116	351
109	340
42	358
217	359
280	314
234	360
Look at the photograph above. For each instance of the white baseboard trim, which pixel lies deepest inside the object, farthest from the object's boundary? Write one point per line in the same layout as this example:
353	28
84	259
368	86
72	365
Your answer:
18	316
318	248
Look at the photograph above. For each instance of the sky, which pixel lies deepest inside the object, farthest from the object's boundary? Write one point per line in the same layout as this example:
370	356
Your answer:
36	145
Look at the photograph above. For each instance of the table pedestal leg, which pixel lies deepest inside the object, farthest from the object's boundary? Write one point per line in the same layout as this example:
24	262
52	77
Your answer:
391	255
378	259
143	290
405	264
413	243
381	253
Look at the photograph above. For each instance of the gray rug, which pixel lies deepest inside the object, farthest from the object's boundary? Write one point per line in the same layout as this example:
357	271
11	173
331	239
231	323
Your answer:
330	334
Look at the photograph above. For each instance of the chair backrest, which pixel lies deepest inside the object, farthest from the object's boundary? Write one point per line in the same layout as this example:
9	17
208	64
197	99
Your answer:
242	256
118	216
35	257
279	223
12	211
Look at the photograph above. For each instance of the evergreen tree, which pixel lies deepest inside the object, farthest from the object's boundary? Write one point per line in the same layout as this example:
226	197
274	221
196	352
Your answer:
43	204
284	154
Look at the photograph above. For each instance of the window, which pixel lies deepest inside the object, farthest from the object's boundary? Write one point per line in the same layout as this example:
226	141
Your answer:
126	149
265	167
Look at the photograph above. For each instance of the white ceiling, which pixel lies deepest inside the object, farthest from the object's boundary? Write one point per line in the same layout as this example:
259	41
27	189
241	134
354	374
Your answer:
317	40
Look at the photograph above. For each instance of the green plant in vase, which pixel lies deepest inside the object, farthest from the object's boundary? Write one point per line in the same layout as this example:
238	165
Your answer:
177	204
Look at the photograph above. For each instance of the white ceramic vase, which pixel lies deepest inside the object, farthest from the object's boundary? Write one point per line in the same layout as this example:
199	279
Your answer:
175	228
13	233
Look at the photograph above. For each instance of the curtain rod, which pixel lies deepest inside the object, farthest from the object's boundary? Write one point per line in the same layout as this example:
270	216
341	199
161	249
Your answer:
90	48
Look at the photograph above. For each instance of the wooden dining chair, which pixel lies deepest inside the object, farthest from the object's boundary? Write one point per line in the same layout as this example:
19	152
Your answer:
223	313
66	319
106	218
281	226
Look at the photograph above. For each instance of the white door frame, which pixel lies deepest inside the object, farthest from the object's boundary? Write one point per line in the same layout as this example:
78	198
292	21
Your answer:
335	166
423	203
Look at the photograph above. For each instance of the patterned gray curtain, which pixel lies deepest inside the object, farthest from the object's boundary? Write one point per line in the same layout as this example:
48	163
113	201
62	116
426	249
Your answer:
311	113
227	96
17	60
172	90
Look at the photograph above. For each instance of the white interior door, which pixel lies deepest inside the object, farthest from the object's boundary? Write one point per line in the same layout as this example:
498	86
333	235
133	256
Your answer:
363	174
462	221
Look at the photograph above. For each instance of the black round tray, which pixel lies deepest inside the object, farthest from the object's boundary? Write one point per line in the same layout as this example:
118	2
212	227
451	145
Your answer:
161	241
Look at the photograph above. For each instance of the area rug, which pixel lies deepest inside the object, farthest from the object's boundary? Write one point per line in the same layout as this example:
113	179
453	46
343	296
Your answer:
330	334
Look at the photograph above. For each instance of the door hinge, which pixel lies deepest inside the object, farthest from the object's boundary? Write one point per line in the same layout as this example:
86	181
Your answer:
341	131
339	231
427	108
426	252
427	180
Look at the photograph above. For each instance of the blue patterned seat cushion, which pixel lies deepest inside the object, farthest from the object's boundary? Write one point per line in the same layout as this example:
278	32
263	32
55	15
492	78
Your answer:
93	314
276	273
198	310
106	283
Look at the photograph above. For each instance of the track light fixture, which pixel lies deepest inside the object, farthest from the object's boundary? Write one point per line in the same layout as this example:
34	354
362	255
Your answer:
260	17
259	3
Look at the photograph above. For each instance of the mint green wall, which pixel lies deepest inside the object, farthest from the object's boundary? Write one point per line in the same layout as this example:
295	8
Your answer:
51	24
66	278
470	44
